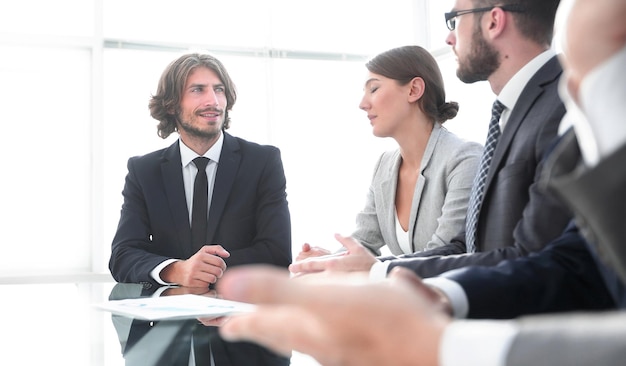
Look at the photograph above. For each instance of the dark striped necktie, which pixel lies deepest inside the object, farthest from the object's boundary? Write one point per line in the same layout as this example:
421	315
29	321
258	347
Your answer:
476	196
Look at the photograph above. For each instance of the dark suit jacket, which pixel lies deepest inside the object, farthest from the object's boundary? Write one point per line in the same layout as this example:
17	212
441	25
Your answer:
568	274
562	277
248	216
598	198
516	217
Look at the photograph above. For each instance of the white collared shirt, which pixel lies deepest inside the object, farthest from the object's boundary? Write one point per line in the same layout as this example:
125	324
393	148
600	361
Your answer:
189	175
190	171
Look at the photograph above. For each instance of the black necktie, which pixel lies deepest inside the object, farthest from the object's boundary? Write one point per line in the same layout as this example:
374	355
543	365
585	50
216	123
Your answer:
478	188
201	345
200	200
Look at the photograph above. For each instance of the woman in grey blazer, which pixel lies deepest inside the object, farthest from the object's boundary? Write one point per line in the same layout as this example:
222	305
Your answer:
419	192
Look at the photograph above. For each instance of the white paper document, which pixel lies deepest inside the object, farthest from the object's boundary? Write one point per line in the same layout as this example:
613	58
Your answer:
175	307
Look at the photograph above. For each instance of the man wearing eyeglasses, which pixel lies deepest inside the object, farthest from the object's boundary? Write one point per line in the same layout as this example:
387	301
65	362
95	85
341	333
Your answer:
508	44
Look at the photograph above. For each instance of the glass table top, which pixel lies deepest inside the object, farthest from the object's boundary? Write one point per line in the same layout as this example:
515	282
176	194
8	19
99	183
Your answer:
59	324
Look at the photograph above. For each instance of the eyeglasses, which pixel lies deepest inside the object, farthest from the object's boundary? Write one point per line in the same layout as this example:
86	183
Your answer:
451	16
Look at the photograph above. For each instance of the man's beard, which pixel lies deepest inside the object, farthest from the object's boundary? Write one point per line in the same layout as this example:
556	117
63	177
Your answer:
187	126
482	61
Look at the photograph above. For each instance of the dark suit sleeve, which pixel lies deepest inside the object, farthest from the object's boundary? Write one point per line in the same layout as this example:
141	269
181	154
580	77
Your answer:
416	261
133	255
562	277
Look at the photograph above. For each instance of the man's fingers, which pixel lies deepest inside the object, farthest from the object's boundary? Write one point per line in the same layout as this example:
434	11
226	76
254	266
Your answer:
349	243
254	284
406	277
217	250
213	322
262	284
267	328
314	264
404	274
213	261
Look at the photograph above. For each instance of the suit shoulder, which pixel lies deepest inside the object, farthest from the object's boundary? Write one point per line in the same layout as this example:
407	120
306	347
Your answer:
388	158
458	146
540	103
549	73
255	147
152	161
151	157
243	142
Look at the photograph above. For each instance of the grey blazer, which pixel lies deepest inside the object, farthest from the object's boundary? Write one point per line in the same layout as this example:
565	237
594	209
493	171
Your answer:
572	339
439	202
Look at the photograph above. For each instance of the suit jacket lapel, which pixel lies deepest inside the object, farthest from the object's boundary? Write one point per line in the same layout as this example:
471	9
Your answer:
531	92
421	179
387	194
227	168
172	175
601	224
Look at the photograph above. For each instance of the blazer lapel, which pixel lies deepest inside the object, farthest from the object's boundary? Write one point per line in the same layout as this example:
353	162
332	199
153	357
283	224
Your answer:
172	175
227	168
421	179
527	99
387	194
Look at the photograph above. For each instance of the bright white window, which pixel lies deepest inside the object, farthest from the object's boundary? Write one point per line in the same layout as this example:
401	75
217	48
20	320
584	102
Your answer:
45	186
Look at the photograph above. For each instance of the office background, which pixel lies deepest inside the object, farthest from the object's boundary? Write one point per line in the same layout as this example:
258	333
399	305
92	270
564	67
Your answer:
76	76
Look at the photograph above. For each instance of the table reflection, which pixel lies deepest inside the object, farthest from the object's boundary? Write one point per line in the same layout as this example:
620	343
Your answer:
169	342
58	324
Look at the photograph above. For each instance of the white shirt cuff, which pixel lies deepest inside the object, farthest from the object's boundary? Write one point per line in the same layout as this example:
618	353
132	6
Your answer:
454	292
378	272
161	290
477	342
156	272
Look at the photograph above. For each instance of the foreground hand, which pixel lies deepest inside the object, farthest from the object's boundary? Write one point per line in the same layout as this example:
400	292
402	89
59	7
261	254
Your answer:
355	258
203	291
213	322
202	269
334	318
309	251
439	300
